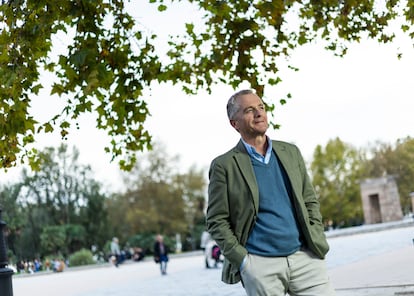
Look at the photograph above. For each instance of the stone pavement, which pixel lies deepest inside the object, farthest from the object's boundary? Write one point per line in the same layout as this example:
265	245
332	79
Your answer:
388	274
187	275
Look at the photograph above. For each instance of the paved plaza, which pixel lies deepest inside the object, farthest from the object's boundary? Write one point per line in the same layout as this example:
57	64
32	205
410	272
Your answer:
186	276
382	275
375	264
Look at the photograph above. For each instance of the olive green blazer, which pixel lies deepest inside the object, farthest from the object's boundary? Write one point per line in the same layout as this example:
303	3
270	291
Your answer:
233	202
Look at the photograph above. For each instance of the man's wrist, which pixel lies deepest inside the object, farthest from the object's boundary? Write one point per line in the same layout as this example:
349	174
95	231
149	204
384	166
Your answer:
243	262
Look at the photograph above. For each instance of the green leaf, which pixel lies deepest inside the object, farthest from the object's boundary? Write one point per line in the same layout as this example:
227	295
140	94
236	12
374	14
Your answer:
48	127
58	89
162	7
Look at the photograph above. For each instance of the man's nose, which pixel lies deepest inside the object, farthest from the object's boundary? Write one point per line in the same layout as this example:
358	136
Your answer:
258	112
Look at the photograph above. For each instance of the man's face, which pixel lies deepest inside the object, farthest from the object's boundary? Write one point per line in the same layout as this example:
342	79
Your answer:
251	119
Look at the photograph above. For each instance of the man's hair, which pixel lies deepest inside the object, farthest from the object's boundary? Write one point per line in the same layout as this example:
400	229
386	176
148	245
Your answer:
232	105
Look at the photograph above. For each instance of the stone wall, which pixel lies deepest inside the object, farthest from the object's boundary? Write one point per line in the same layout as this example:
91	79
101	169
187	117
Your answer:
380	200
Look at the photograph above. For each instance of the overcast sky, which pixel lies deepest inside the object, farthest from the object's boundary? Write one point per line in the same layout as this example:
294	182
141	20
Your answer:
362	98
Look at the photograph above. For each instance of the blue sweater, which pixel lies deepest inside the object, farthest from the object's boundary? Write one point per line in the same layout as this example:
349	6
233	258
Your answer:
276	232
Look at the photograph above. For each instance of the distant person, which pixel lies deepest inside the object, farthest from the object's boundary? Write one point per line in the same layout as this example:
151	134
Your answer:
263	211
37	265
47	264
205	238
115	251
161	253
58	265
20	267
138	254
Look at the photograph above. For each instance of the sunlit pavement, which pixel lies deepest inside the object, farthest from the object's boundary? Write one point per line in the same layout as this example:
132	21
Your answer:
185	276
386	274
379	263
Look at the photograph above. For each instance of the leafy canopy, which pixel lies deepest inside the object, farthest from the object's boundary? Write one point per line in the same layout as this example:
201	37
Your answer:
100	72
111	59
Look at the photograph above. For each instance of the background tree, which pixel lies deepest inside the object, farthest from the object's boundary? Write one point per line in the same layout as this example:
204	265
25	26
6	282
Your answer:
63	199
159	199
53	240
94	215
246	41
336	172
192	186
12	213
110	59
98	72
396	160
118	223
155	205
57	185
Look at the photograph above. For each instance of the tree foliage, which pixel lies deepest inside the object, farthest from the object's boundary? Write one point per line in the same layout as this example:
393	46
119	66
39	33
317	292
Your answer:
110	59
12	213
336	171
160	199
62	239
58	186
191	186
53	239
155	205
60	208
244	41
100	72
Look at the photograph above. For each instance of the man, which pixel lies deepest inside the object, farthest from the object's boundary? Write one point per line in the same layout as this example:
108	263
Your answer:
115	251
161	253
263	212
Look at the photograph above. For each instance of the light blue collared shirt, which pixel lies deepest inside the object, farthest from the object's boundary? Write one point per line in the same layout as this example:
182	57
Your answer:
253	153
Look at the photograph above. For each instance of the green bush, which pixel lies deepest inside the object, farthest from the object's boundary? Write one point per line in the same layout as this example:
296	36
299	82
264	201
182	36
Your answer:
82	257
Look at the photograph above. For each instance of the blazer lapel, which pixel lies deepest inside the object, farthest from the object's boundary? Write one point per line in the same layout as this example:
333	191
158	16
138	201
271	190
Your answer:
288	164
280	151
244	163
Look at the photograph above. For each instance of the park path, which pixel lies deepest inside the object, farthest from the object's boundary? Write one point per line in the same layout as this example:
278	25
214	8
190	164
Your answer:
378	263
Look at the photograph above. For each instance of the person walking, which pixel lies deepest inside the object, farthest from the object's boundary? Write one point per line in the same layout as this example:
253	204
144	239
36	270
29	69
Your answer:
161	253
115	251
263	211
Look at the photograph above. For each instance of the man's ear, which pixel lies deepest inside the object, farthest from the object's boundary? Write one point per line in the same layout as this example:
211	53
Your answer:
234	124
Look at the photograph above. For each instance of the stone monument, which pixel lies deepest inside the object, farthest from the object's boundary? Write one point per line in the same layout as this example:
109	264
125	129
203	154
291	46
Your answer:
380	200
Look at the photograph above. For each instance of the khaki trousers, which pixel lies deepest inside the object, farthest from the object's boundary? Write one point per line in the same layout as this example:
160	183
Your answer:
299	274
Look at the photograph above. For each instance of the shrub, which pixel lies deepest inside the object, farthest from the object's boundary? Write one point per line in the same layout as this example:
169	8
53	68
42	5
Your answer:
82	257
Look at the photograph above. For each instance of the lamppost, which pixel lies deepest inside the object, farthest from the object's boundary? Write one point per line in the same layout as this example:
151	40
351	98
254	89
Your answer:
6	288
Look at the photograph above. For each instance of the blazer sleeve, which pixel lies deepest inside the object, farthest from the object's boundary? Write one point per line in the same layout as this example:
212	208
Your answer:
220	221
313	223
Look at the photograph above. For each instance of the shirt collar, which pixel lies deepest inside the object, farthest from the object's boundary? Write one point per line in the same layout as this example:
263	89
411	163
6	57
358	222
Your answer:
254	154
